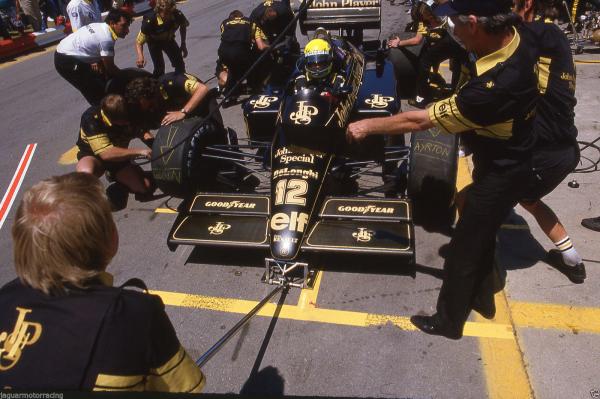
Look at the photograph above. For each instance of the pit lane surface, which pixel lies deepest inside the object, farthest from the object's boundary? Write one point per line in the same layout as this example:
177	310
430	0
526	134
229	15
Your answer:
350	336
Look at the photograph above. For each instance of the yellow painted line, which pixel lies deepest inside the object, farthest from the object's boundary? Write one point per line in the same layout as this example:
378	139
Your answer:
318	315
503	365
165	210
308	296
69	157
559	317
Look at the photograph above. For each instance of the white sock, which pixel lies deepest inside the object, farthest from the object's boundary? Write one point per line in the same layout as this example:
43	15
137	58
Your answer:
569	253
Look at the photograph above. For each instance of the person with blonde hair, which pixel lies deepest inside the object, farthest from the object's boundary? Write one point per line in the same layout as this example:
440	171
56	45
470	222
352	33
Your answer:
158	30
64	326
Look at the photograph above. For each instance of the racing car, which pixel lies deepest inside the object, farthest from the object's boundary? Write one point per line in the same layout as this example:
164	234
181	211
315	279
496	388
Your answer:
317	193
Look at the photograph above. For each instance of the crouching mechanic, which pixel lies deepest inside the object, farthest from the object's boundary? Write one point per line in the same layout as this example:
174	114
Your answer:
64	326
497	107
104	136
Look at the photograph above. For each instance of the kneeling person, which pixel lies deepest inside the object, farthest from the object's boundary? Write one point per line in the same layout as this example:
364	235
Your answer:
63	325
103	140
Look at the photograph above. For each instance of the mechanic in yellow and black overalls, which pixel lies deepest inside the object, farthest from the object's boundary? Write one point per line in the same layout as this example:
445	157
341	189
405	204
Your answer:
158	30
104	137
494	111
272	17
241	39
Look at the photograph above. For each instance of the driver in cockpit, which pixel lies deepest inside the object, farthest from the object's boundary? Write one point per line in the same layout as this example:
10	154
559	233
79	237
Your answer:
321	63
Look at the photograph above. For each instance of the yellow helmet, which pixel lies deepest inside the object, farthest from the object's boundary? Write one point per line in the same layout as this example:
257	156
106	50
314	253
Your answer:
318	58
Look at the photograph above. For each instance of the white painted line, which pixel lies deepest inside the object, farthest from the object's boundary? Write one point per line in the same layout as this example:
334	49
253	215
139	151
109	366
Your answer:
15	184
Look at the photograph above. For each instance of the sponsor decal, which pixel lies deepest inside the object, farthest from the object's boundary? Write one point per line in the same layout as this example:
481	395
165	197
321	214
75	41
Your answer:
365	209
303	173
230	204
378	101
304	114
343	110
296	221
344	3
363	234
263	101
25	333
218	228
307	158
281	151
279	238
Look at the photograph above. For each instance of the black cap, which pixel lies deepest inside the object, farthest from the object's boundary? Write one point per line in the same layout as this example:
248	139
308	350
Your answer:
480	8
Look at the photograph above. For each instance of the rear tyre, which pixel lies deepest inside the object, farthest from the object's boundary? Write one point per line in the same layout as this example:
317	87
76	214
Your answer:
432	178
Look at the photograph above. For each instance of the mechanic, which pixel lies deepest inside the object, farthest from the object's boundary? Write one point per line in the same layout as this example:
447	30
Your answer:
321	62
556	153
272	17
83	12
239	39
496	106
64	326
104	136
85	58
158	30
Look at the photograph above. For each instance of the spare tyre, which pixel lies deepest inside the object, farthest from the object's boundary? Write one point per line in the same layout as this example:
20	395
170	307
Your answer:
181	167
432	178
406	67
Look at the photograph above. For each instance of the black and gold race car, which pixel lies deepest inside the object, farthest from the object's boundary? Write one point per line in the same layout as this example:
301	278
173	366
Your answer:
317	193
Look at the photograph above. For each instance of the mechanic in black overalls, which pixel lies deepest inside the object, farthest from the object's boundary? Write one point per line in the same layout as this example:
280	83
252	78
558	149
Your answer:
158	30
64	327
494	110
240	40
556	153
272	17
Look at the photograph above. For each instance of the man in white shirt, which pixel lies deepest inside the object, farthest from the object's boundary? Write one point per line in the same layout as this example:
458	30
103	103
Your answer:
83	12
85	58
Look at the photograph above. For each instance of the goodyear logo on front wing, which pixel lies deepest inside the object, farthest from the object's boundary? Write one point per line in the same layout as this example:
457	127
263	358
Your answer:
230	204
263	101
25	333
378	101
304	114
365	209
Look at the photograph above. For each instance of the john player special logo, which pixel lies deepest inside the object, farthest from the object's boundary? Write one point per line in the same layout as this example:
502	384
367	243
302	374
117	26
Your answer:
304	113
363	234
379	101
218	228
263	101
25	333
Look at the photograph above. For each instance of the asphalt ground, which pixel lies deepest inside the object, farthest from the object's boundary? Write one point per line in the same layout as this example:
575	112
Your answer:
350	335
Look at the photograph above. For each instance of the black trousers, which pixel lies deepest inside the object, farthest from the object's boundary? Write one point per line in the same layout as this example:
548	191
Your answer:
80	75
432	55
468	279
173	51
238	58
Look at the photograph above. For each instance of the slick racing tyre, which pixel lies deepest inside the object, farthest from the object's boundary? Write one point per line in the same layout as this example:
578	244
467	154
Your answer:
405	61
432	178
180	169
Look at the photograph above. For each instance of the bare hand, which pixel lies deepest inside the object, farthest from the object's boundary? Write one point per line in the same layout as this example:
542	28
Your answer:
172	117
146	152
357	131
147	136
394	42
140	62
184	51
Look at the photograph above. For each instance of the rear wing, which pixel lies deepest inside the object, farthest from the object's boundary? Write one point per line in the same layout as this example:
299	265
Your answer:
341	14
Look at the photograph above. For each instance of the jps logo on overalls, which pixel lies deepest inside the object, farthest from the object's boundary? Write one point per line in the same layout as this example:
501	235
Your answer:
263	101
379	101
218	228
304	113
363	234
24	334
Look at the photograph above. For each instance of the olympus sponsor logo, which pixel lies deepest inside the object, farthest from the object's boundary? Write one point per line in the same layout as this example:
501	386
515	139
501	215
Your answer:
365	209
303	173
307	158
230	204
